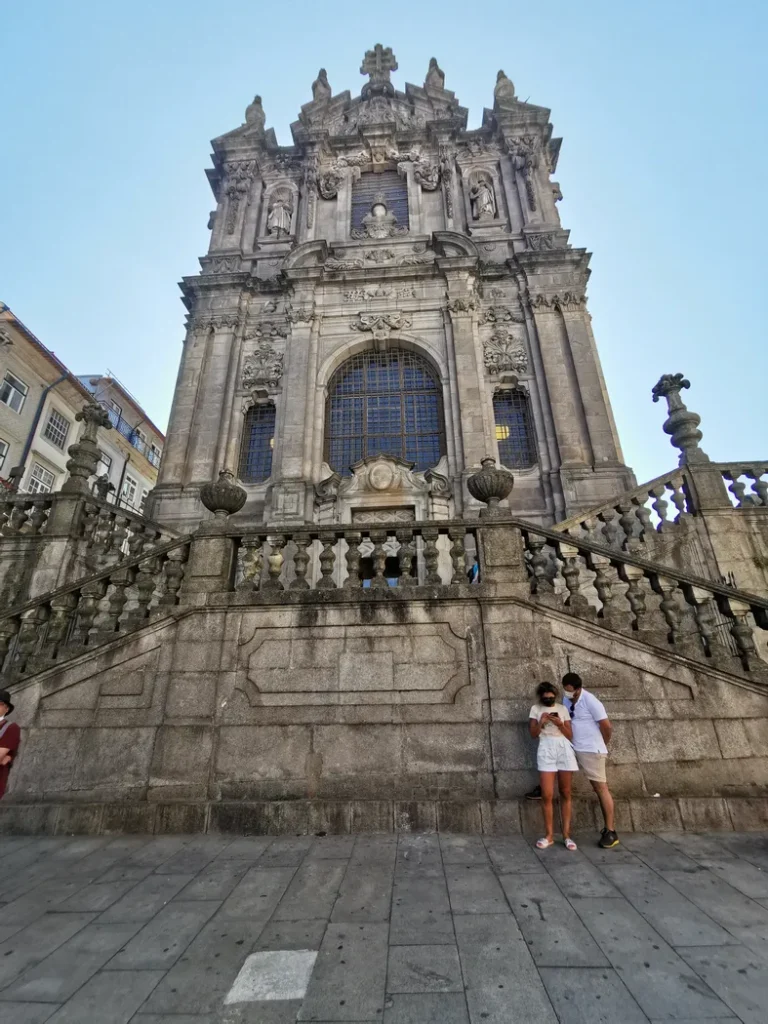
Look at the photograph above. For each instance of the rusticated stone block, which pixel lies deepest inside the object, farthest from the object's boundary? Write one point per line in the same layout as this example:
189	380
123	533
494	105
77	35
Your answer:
131	818
703	813
79	820
676	740
416	816
245	819
180	762
30	819
501	817
114	760
748	814
513	748
370	816
180	818
459	817
651	815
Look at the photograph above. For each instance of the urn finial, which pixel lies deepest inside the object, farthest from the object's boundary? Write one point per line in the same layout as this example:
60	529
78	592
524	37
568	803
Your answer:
491	485
681	424
224	497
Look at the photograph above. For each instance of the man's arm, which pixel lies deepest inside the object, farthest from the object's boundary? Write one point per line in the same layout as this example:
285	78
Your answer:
606	729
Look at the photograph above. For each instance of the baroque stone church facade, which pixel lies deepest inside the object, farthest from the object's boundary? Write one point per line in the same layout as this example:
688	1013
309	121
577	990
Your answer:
383	304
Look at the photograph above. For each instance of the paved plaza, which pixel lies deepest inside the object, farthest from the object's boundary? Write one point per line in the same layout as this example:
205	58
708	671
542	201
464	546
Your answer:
408	929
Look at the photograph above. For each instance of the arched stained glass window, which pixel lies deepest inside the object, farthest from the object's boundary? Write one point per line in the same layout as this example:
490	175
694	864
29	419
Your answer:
257	444
514	428
384	403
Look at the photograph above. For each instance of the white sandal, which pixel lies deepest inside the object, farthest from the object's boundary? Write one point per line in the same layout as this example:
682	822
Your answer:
542	844
570	845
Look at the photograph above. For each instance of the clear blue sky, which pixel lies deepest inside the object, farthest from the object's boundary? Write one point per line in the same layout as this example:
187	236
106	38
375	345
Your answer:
108	109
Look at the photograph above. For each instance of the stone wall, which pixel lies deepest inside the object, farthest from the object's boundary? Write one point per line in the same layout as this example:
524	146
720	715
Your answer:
352	714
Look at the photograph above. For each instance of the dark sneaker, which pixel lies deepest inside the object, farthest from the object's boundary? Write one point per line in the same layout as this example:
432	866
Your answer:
535	794
608	839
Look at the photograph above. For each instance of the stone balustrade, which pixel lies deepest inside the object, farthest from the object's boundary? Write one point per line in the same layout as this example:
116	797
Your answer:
432	554
658	604
112	534
96	609
634	520
747	483
25	515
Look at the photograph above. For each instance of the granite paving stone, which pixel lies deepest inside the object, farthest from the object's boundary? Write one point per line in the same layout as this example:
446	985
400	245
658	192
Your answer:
551	928
96	897
349	976
442	1007
474	890
162	940
110	997
193	857
463	850
576	876
410	927
35	942
365	894
513	856
313	890
332	848
656	853
146	898
590	995
658	979
424	968
258	893
285	851
215	882
292	935
743	917
63	972
247	848
29	1013
736	974
747	878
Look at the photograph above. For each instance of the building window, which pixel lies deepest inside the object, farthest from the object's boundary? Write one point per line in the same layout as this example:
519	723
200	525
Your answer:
41	480
56	429
258	443
13	391
384	403
104	465
388	184
514	428
3	452
128	494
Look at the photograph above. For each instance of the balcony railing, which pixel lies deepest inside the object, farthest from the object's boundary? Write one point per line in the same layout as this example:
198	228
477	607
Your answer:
129	432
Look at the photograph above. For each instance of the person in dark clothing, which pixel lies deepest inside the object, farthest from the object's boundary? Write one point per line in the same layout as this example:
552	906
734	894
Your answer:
10	737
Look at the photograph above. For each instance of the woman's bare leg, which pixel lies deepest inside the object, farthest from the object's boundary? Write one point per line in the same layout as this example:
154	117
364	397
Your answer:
564	780
547	780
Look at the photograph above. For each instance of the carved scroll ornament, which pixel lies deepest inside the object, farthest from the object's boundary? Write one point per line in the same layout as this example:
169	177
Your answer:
504	352
263	367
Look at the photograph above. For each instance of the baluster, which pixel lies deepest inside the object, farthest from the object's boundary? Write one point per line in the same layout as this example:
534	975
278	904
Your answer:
38	516
9	627
668	605
88	606
660	506
628	525
101	534
759	487
145	582
577	603
736	487
704	609
589	529
300	561
643	514
327	561
458	559
741	631
275	560
633	577
173	574
90	519
60	623
137	540
251	559
600	564
7	526
378	558
119	582
541	583
30	631
354	539
678	500
405	557
611	534
119	534
431	556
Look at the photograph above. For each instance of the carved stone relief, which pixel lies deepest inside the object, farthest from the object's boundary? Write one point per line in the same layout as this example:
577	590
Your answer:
264	366
503	351
239	177
380	222
380	325
369	294
524	151
568	301
503	314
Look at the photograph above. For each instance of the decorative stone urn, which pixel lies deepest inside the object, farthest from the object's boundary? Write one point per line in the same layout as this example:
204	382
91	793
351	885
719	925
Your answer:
681	424
490	486
225	497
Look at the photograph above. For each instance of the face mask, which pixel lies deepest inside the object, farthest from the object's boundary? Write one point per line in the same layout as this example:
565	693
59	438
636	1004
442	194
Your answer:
548	702
570	696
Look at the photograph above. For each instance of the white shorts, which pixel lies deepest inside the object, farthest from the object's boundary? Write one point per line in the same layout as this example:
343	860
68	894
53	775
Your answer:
556	754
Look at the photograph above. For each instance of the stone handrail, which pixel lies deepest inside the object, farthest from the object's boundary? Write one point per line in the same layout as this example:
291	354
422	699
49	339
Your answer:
93	610
112	533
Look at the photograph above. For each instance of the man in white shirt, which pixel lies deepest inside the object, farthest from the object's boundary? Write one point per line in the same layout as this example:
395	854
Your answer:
591	733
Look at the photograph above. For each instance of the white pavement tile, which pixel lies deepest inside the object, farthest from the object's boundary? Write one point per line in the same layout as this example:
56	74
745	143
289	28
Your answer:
274	974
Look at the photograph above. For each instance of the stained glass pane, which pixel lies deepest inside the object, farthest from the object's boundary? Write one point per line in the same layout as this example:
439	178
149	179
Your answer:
384	404
514	429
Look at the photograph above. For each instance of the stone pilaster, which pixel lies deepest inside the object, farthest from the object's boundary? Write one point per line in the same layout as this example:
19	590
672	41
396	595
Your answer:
210	400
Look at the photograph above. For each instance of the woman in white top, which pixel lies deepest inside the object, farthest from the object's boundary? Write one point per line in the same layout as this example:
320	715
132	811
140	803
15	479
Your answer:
550	723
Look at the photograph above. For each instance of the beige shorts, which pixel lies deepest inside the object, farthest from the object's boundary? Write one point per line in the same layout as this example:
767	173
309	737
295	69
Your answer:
593	765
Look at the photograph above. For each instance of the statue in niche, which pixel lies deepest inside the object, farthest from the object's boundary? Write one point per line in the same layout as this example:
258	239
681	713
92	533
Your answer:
481	197
255	116
380	222
280	213
321	90
504	92
435	77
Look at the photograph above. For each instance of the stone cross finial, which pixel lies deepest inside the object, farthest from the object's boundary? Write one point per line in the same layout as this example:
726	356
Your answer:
378	63
84	454
681	424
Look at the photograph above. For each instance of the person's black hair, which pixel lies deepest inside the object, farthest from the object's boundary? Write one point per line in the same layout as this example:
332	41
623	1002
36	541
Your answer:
543	688
572	679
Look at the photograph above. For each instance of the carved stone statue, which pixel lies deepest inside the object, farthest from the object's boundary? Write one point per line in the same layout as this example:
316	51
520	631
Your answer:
504	93
435	77
321	90
380	222
481	197
103	487
255	116
280	213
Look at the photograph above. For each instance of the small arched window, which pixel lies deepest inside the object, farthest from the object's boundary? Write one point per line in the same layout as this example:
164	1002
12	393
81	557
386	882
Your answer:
514	428
257	444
